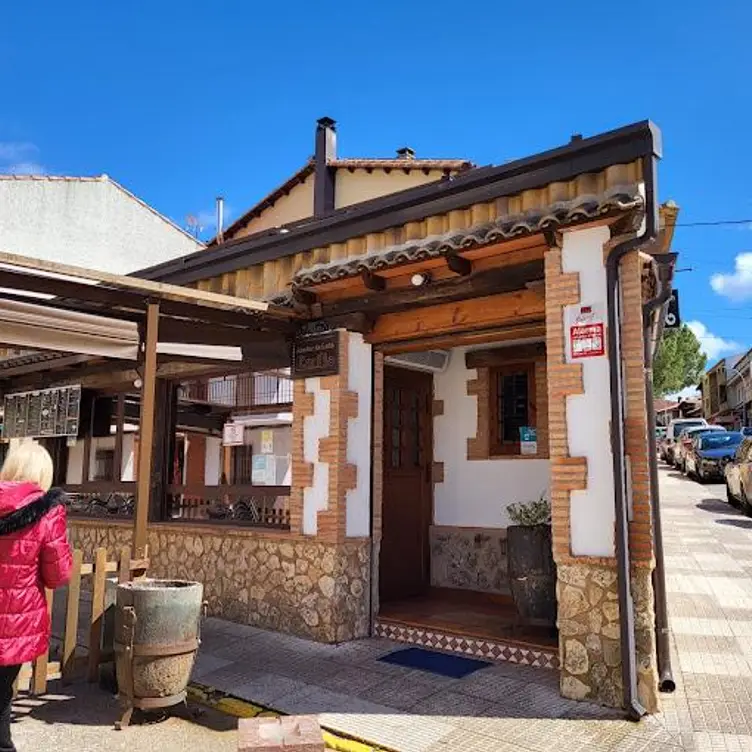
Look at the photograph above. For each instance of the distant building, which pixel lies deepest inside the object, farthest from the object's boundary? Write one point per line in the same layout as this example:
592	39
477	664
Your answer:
92	222
716	407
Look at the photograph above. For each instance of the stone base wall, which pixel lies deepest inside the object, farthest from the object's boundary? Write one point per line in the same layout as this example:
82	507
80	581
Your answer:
589	634
315	590
469	558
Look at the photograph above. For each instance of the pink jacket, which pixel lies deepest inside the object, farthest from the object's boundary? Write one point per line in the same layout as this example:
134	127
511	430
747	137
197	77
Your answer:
34	554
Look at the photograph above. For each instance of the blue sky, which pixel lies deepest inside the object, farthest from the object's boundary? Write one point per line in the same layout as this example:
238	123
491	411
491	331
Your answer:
183	101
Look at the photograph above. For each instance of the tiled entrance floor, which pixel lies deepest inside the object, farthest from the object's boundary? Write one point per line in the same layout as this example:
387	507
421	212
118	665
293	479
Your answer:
471	624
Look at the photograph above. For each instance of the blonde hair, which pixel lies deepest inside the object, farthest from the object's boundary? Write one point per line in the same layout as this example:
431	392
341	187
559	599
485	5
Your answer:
30	463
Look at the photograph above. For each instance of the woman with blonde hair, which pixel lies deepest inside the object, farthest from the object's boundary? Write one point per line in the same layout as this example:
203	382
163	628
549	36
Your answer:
34	555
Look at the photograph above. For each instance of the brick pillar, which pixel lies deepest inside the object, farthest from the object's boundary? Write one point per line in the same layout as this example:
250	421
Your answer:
581	489
330	497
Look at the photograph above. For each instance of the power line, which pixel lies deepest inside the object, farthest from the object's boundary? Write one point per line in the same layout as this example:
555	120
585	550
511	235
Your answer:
715	223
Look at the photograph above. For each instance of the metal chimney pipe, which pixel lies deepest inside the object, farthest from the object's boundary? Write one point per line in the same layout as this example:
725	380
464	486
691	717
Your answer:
220	218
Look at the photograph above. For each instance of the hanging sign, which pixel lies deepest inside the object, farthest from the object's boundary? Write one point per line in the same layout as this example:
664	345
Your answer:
42	413
586	334
316	355
233	434
528	440
673	319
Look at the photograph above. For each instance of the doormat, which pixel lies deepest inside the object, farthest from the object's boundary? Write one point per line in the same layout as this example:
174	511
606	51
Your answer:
443	664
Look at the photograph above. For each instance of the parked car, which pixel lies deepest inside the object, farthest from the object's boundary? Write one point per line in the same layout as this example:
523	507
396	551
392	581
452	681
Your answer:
674	427
738	474
709	452
684	442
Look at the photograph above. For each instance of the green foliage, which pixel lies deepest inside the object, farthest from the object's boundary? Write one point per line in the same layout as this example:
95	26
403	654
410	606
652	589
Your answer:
532	513
678	363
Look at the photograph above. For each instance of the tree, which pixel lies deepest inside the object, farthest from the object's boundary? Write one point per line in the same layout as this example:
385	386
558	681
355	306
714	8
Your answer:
678	363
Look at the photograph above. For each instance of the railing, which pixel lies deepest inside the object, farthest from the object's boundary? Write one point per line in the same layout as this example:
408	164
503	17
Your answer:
101	499
253	506
243	391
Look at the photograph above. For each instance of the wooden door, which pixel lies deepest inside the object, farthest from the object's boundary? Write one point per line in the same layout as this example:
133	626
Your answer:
407	504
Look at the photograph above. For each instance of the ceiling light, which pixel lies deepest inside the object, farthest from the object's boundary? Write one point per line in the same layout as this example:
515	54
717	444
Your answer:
420	279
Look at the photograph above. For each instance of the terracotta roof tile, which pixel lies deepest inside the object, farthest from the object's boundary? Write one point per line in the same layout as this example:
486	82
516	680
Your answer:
559	214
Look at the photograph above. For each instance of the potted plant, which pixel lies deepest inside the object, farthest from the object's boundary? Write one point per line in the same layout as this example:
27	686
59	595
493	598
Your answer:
530	562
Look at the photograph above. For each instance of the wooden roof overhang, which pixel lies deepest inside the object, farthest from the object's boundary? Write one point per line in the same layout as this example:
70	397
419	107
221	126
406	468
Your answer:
481	281
115	307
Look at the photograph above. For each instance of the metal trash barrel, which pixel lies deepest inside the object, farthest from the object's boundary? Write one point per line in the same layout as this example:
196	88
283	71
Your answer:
157	630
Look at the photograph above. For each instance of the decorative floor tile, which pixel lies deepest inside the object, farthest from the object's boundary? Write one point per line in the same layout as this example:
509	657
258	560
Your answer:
478	648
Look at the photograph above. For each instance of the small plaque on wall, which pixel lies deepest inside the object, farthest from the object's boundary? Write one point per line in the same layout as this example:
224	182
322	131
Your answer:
316	355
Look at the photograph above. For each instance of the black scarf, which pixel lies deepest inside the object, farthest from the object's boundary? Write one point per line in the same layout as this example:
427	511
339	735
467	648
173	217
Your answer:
30	514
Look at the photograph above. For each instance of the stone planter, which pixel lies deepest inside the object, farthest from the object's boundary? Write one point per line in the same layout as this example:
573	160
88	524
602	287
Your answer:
532	573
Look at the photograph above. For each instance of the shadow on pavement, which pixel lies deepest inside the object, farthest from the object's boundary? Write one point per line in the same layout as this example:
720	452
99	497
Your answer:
718	506
86	704
740	522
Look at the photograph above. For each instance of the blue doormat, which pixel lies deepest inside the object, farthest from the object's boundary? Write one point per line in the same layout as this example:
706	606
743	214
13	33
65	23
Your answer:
453	666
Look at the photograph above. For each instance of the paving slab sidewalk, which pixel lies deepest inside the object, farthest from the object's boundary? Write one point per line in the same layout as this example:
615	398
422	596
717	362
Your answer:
508	707
82	718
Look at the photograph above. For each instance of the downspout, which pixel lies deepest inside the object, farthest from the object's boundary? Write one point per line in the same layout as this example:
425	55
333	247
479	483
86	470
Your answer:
653	332
626	606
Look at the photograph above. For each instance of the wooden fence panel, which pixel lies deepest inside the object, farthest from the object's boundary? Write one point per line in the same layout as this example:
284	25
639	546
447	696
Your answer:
127	568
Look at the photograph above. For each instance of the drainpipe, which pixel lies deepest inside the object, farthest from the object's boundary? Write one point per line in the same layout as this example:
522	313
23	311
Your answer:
626	606
658	304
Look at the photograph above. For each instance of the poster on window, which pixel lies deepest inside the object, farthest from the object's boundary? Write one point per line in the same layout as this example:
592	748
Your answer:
264	470
586	332
267	441
528	440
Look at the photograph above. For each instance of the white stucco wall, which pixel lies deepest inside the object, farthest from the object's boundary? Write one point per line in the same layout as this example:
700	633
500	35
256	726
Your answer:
475	493
315	427
588	415
90	222
213	461
359	436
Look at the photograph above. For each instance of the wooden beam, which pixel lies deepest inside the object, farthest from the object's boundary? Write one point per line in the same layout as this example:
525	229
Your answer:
461	316
137	286
146	430
373	281
119	424
196	333
501	356
493	335
491	282
459	265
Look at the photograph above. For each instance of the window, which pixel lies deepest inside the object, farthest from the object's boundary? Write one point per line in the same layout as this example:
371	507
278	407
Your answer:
512	398
104	465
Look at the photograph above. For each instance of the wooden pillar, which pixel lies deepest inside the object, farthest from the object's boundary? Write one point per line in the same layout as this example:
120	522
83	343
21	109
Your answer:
163	447
146	428
119	425
86	469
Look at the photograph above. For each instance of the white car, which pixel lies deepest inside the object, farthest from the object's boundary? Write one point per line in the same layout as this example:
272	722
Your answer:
684	441
675	428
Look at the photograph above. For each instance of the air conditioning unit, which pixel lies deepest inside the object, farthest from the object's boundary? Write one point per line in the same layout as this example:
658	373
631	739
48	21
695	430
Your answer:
432	361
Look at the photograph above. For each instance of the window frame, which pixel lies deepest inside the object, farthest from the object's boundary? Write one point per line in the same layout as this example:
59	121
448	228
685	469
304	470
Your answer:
497	447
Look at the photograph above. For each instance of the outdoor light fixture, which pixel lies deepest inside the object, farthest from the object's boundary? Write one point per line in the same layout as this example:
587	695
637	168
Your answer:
420	279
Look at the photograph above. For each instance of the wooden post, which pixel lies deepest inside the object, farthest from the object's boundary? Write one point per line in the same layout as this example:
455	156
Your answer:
146	430
119	424
71	618
86	469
